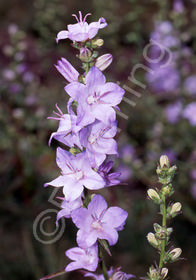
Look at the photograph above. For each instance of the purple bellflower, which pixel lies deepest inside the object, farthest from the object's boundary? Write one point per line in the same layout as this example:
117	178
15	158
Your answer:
67	70
76	173
111	178
83	258
98	140
97	221
95	99
81	31
99	277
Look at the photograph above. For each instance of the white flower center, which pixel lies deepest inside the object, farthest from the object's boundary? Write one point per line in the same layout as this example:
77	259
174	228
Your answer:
96	225
79	175
92	139
91	100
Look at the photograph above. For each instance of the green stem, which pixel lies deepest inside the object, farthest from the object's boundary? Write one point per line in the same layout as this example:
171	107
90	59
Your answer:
163	244
103	266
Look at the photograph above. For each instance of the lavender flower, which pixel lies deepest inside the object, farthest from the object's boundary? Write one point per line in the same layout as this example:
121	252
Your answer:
67	70
83	258
190	113
95	99
76	173
98	222
98	140
81	31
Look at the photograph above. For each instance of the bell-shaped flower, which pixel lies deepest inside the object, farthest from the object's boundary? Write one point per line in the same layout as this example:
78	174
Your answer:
76	173
81	31
64	132
97	221
95	98
67	70
110	178
83	258
98	140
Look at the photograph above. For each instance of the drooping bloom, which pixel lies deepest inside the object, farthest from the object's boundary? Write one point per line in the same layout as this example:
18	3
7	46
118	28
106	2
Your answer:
83	258
97	221
81	31
64	132
95	99
190	113
98	140
110	178
68	206
67	70
76	173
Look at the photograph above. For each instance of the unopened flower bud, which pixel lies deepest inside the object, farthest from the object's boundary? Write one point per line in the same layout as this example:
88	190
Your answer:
103	61
166	190
152	239
164	272
174	254
154	273
153	195
164	161
85	54
97	42
175	209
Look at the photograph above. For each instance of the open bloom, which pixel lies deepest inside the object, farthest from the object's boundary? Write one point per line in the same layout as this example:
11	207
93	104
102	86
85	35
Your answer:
97	221
76	173
67	70
83	258
81	31
98	140
95	99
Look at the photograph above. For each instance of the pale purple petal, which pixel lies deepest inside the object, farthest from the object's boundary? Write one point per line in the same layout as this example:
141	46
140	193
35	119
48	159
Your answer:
97	205
62	35
111	94
72	190
108	233
75	89
58	182
81	218
95	78
115	216
86	239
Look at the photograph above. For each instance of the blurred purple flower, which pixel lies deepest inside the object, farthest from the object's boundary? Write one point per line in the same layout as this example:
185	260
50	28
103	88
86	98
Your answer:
76	173
190	113
170	154
178	6
127	153
193	174
83	258
98	140
67	70
95	99
81	31
125	172
190	85
193	191
97	221
110	179
173	111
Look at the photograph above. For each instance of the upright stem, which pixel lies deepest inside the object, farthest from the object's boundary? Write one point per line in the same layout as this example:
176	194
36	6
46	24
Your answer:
103	266
163	244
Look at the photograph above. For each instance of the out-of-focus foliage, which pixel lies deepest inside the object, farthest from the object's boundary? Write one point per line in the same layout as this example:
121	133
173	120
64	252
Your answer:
157	124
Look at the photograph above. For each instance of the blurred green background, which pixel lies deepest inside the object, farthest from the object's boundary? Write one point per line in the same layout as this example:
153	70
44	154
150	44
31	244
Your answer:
30	87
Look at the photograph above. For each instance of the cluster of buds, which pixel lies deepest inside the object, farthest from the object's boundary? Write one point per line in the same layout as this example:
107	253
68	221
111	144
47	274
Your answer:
157	273
160	238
